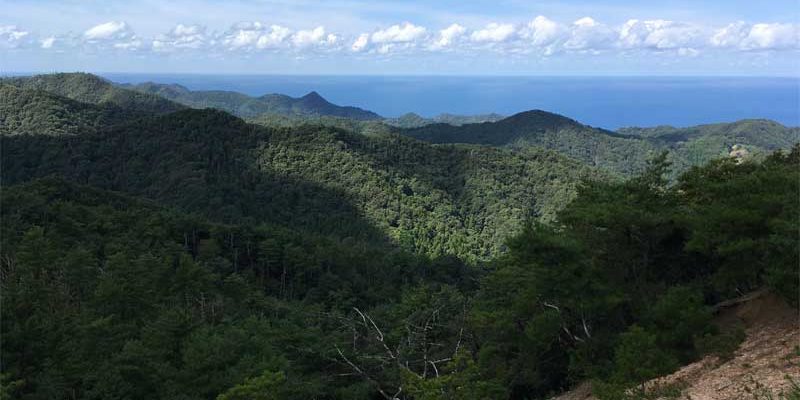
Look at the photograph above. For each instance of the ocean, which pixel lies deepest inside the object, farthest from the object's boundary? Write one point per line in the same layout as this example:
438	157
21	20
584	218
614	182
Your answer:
607	102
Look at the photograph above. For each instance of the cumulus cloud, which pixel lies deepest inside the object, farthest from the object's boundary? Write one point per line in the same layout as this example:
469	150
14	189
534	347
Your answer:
541	36
314	37
450	34
407	32
658	34
255	35
360	43
12	37
113	30
113	34
493	32
762	36
48	42
544	33
586	34
182	37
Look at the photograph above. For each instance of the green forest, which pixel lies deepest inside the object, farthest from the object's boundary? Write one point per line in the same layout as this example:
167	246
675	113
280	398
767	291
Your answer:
155	251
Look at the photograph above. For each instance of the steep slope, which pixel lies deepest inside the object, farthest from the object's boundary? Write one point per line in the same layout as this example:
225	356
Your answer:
435	200
766	365
245	106
88	88
34	112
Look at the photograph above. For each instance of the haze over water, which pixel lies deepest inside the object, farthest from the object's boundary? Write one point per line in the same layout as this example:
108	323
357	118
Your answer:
608	102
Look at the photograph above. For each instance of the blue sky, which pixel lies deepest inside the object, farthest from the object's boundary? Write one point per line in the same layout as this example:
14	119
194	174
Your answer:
534	37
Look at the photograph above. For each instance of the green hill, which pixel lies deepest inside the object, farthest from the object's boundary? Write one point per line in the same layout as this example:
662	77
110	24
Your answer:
245	106
194	255
92	89
35	112
625	151
431	199
593	146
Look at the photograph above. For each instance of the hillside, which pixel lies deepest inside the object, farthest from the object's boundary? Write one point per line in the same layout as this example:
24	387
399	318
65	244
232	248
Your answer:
593	146
432	199
35	112
312	104
195	255
625	151
92	89
697	145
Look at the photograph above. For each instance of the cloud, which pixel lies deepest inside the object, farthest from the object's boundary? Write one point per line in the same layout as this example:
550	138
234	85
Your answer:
48	42
360	43
448	35
544	33
586	34
12	37
182	37
114	34
773	36
112	30
408	32
255	36
314	37
658	34
757	37
493	32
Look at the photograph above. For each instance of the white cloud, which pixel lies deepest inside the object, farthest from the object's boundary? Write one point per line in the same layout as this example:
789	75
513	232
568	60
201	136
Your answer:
589	35
313	37
658	34
255	35
450	34
47	43
114	34
408	32
773	36
12	37
113	30
182	37
360	43
493	32
544	33
761	36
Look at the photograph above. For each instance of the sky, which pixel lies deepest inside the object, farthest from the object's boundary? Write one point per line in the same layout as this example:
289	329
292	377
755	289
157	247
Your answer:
392	37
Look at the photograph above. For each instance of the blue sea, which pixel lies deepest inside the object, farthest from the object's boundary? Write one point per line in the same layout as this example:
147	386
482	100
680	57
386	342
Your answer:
608	102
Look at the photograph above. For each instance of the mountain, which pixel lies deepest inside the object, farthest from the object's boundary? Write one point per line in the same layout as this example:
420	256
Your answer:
92	89
696	145
312	104
625	151
194	255
433	200
593	146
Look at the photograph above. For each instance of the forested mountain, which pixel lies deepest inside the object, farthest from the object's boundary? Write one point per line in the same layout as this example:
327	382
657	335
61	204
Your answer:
92	89
312	104
625	151
436	200
593	146
187	254
31	112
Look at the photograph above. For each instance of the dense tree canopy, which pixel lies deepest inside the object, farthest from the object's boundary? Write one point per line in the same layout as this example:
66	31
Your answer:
191	255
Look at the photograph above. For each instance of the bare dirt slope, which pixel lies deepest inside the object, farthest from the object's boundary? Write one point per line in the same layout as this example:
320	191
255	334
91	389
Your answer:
764	365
